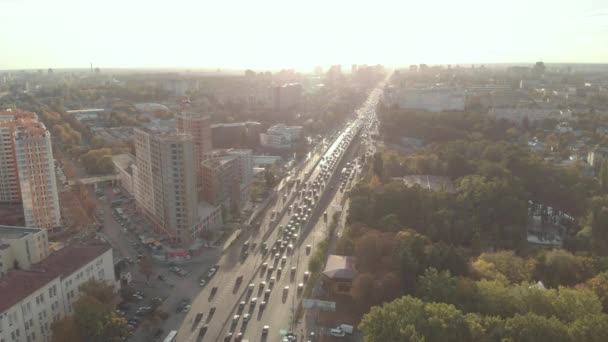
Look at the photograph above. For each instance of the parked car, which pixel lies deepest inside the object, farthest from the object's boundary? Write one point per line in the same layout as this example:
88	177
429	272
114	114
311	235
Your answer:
337	332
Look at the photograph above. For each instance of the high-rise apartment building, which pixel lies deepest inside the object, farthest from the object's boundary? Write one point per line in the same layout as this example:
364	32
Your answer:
198	126
165	183
285	96
27	168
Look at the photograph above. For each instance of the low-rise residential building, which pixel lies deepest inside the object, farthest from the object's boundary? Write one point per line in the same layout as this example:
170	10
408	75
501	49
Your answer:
339	274
20	247
533	115
266	161
227	177
281	136
429	182
31	300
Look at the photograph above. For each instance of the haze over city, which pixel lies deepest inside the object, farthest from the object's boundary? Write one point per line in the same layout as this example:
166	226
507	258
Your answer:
276	34
312	171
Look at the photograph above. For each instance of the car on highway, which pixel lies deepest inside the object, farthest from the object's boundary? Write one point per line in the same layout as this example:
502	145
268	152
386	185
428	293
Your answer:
293	271
253	302
241	306
267	294
285	290
250	288
246	317
203	282
235	319
306	275
203	330
211	312
308	249
182	305
262	305
228	337
300	287
212	271
265	330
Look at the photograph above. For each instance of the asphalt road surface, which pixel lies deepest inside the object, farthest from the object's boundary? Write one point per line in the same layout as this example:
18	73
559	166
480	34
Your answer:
282	301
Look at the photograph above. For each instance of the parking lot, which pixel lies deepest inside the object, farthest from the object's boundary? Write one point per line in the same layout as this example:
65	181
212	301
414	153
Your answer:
156	287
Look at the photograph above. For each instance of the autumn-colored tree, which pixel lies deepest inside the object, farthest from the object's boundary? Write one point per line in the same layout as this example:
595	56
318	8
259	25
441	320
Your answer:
599	285
363	289
94	318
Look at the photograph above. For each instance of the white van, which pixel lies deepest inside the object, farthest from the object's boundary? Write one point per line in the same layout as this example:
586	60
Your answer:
337	332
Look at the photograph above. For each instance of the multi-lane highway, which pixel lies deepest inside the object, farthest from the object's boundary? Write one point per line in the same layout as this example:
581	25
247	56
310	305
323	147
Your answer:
254	294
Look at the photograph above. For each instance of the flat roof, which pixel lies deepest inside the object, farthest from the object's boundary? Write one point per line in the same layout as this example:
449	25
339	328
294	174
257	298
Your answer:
14	232
340	267
90	110
428	182
235	124
205	209
18	284
123	160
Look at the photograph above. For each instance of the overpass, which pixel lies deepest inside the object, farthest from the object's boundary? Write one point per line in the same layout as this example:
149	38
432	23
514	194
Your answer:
93	180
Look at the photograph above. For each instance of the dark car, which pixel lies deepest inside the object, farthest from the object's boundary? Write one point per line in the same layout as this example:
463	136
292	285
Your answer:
158	333
203	330
198	318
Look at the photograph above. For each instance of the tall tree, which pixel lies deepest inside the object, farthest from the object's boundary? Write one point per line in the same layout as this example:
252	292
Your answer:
533	328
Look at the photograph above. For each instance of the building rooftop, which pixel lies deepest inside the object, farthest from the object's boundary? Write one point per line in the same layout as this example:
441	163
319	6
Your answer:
16	285
88	110
12	232
123	160
205	209
236	124
14	115
191	115
429	182
340	267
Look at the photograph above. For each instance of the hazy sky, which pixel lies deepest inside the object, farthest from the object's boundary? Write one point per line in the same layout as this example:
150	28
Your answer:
263	34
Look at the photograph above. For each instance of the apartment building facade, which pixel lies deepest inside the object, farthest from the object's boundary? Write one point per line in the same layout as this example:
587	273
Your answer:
20	247
31	300
281	136
165	182
227	177
27	168
198	126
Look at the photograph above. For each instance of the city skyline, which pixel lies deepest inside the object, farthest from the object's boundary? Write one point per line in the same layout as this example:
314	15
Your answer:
274	35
